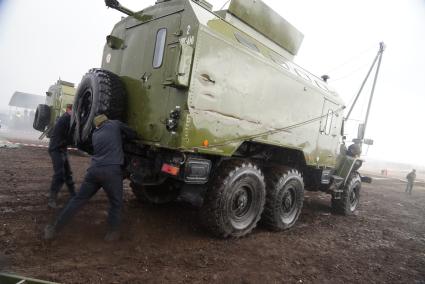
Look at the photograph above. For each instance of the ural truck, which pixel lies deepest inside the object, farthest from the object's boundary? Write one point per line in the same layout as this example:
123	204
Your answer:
58	97
222	112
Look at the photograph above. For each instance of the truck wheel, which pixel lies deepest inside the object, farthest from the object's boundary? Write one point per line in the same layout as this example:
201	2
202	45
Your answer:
234	201
100	92
42	117
155	194
350	196
284	201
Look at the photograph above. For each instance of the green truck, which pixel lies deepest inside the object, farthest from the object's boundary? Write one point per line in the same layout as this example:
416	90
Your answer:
222	112
58	97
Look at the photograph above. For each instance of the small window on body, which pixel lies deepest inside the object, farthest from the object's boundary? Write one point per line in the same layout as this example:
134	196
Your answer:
322	86
243	40
158	55
302	74
279	61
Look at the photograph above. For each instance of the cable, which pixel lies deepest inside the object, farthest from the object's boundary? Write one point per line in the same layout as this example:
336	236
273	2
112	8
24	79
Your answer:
269	132
350	59
350	74
227	2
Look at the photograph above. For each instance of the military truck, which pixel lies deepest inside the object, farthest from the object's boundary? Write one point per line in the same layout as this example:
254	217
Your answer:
222	112
58	97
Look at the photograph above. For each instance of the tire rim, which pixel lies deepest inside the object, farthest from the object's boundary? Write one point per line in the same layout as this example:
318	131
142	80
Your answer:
354	197
242	206
289	208
85	105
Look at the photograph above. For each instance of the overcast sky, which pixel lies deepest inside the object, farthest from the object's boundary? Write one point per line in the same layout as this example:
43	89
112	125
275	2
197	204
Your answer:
41	41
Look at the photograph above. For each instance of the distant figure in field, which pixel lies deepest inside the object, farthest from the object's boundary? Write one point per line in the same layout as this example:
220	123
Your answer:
410	180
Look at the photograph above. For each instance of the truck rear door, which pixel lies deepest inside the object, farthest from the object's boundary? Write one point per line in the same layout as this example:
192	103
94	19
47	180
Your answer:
147	53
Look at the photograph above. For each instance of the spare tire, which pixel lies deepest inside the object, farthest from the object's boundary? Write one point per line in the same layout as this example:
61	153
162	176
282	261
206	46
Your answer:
42	117
100	92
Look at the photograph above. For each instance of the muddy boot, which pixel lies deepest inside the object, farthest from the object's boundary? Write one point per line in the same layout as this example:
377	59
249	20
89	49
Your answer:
72	192
49	232
112	235
52	203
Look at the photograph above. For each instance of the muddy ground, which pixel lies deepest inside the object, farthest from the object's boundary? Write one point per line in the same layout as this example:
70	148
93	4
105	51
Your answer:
383	243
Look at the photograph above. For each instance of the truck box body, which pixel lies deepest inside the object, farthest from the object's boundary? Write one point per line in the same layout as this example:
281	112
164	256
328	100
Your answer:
228	85
57	97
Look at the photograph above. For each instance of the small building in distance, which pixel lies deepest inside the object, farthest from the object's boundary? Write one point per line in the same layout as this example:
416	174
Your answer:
22	108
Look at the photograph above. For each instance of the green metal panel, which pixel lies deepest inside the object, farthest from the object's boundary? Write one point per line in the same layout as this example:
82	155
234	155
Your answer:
261	17
250	95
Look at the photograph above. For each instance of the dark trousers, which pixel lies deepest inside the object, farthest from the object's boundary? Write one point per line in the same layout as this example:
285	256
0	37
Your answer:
62	172
409	187
110	178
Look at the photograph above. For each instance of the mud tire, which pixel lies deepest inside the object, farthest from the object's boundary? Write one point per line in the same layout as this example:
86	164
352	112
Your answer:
285	197
350	197
100	92
234	200
155	194
41	118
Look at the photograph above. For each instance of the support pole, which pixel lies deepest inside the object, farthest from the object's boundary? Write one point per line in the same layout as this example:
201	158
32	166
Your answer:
380	53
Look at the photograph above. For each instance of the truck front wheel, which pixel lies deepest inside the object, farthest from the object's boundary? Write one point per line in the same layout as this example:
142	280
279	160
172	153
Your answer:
234	200
350	196
285	196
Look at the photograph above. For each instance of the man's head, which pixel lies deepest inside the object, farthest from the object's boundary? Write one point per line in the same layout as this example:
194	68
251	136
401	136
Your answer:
414	170
69	108
99	120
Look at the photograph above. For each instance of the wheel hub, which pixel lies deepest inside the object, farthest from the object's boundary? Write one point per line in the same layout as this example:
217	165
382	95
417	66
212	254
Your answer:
85	106
354	198
287	202
240	204
289	207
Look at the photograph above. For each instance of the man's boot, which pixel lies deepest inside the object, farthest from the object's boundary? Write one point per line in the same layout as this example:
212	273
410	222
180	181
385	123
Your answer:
52	200
112	235
49	232
71	189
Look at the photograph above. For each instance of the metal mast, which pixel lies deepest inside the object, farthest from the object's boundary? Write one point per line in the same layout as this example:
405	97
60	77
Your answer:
378	59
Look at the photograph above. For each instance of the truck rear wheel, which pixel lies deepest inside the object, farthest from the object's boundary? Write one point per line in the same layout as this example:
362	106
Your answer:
350	196
284	201
42	117
235	200
155	194
100	92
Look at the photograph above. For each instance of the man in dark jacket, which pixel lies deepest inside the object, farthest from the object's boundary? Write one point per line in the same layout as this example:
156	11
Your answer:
105	171
59	154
